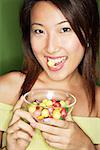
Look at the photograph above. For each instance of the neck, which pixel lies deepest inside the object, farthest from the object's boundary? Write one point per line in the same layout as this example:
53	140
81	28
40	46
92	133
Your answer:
74	79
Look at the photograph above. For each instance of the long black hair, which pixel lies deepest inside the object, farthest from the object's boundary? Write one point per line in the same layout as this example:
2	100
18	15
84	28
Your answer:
83	17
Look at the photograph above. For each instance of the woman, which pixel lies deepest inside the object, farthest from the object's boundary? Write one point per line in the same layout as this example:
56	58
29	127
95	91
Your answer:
60	42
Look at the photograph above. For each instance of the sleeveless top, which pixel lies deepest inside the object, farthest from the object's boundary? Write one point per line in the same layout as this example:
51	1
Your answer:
90	125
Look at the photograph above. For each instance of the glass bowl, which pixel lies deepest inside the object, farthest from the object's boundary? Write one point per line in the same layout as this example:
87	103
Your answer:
47	103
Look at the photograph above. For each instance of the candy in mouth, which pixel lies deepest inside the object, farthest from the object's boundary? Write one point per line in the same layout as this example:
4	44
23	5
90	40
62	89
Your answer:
50	63
55	62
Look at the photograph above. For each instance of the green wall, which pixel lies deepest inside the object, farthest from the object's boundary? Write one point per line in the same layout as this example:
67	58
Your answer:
10	36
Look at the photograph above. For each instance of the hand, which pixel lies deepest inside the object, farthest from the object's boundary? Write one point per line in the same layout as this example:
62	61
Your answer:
19	133
64	135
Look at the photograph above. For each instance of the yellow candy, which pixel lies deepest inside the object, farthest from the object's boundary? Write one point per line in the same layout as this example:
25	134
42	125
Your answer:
34	103
31	108
42	105
45	101
49	103
56	114
63	104
40	117
51	63
45	113
58	109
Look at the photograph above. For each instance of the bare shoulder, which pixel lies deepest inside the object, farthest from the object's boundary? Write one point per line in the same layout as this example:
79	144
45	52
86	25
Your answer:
10	85
98	99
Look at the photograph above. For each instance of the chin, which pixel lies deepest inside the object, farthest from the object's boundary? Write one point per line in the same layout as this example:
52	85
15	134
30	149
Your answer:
56	77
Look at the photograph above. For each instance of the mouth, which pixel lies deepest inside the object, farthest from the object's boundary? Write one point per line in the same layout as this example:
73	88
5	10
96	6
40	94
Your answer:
56	63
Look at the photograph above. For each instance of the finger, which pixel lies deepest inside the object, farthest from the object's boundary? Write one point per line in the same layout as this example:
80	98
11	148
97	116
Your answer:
16	107
55	122
21	125
57	145
69	118
50	129
19	113
20	135
54	138
19	103
23	143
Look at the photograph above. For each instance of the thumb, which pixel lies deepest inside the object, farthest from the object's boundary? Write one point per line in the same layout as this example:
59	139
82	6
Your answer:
19	103
17	106
69	118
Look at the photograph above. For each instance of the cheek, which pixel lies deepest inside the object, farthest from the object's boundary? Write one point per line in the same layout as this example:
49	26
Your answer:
74	46
77	48
76	54
37	44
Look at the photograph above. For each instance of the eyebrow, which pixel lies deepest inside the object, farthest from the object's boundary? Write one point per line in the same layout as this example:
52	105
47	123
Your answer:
36	24
62	22
42	25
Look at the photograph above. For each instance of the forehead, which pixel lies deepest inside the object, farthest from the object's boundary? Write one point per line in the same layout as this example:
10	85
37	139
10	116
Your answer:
46	11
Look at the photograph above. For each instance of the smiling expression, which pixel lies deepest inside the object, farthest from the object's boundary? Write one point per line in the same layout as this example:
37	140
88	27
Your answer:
54	43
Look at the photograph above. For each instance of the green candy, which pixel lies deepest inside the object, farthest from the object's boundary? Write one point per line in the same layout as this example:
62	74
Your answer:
61	118
67	109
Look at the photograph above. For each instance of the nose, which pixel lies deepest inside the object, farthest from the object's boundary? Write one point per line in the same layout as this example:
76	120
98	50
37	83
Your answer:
53	43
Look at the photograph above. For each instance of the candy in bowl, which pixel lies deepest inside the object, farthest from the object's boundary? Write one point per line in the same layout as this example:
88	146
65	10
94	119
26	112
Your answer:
46	103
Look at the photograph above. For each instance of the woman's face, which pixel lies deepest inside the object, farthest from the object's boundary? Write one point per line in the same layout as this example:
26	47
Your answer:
54	43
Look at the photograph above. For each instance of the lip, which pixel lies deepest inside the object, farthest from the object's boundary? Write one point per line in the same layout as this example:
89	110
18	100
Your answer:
54	57
58	67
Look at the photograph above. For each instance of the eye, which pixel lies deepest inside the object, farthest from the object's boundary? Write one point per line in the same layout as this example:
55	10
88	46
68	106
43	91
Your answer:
65	29
37	31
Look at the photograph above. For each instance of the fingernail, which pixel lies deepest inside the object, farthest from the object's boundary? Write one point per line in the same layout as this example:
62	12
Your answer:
47	120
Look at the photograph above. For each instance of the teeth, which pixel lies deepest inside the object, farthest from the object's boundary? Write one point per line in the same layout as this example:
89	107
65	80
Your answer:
52	62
